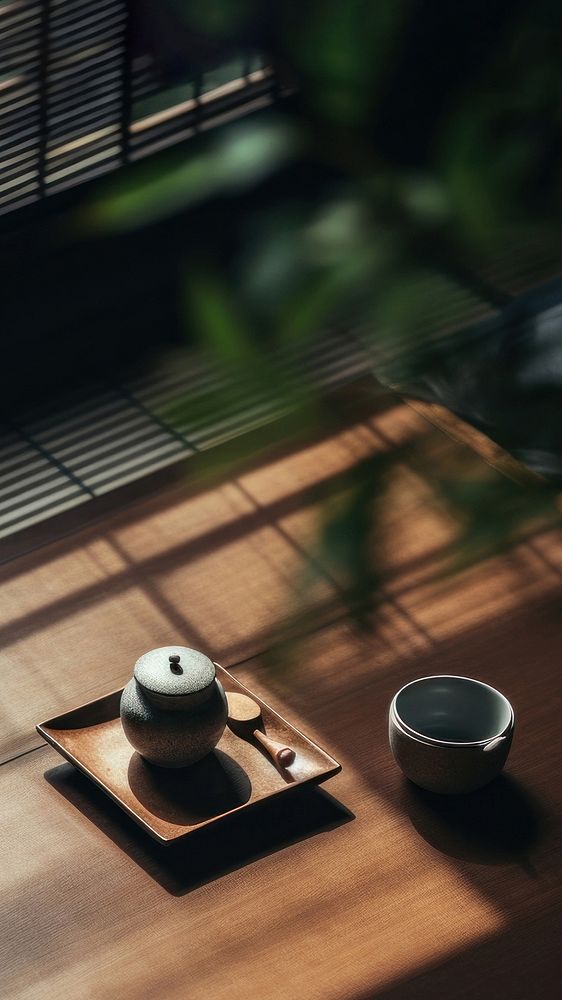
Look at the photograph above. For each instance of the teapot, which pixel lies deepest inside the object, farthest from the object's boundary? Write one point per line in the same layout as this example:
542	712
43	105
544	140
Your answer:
173	710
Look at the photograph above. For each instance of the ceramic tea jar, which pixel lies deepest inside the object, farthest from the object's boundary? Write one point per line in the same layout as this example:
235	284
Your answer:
173	710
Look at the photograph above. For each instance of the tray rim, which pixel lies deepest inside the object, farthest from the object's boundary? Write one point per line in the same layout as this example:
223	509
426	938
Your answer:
329	772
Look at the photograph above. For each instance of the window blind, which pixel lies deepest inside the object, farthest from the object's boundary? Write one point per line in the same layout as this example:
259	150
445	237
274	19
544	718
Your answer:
58	455
77	99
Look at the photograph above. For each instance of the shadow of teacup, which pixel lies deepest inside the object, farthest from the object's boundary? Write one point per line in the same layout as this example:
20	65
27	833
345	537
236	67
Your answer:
498	823
190	795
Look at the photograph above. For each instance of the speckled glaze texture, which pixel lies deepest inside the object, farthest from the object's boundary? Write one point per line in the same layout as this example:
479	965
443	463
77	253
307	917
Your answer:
176	736
447	769
152	671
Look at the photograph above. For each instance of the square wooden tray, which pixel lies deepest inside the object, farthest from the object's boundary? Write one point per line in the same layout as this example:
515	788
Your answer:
170	804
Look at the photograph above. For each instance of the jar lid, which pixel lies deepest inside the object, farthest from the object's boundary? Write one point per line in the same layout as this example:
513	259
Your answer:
174	671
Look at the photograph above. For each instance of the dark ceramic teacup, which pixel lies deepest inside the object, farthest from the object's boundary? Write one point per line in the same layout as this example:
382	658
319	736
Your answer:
450	734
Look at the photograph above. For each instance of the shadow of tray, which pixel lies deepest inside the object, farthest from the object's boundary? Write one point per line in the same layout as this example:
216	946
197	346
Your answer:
170	804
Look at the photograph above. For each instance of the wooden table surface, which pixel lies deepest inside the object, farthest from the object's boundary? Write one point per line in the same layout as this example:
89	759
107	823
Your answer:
366	887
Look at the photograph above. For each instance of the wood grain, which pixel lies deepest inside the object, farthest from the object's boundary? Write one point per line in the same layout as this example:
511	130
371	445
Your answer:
391	893
363	906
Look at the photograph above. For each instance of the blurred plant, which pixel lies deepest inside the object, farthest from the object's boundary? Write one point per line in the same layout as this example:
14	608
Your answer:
391	236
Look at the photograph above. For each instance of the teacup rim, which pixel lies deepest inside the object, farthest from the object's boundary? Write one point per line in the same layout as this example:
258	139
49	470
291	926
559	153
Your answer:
423	738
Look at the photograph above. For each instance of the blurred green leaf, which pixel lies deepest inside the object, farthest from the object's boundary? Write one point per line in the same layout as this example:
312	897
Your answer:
395	246
217	320
349	534
426	198
341	51
243	156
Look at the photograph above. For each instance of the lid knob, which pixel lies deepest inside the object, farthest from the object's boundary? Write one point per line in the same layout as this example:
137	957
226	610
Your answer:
175	664
174	670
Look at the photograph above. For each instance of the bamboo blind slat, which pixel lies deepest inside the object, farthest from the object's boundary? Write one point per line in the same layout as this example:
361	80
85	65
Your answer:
75	100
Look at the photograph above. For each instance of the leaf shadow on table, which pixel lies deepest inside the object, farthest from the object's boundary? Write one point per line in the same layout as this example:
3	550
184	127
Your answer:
497	824
213	851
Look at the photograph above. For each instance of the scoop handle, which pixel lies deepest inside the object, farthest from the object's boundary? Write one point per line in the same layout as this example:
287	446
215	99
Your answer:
277	751
493	744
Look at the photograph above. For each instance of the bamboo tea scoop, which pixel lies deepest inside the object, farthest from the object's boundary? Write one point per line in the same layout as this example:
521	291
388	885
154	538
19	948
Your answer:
244	718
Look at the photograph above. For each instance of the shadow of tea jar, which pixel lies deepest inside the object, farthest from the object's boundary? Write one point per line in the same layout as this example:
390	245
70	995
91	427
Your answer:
174	709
